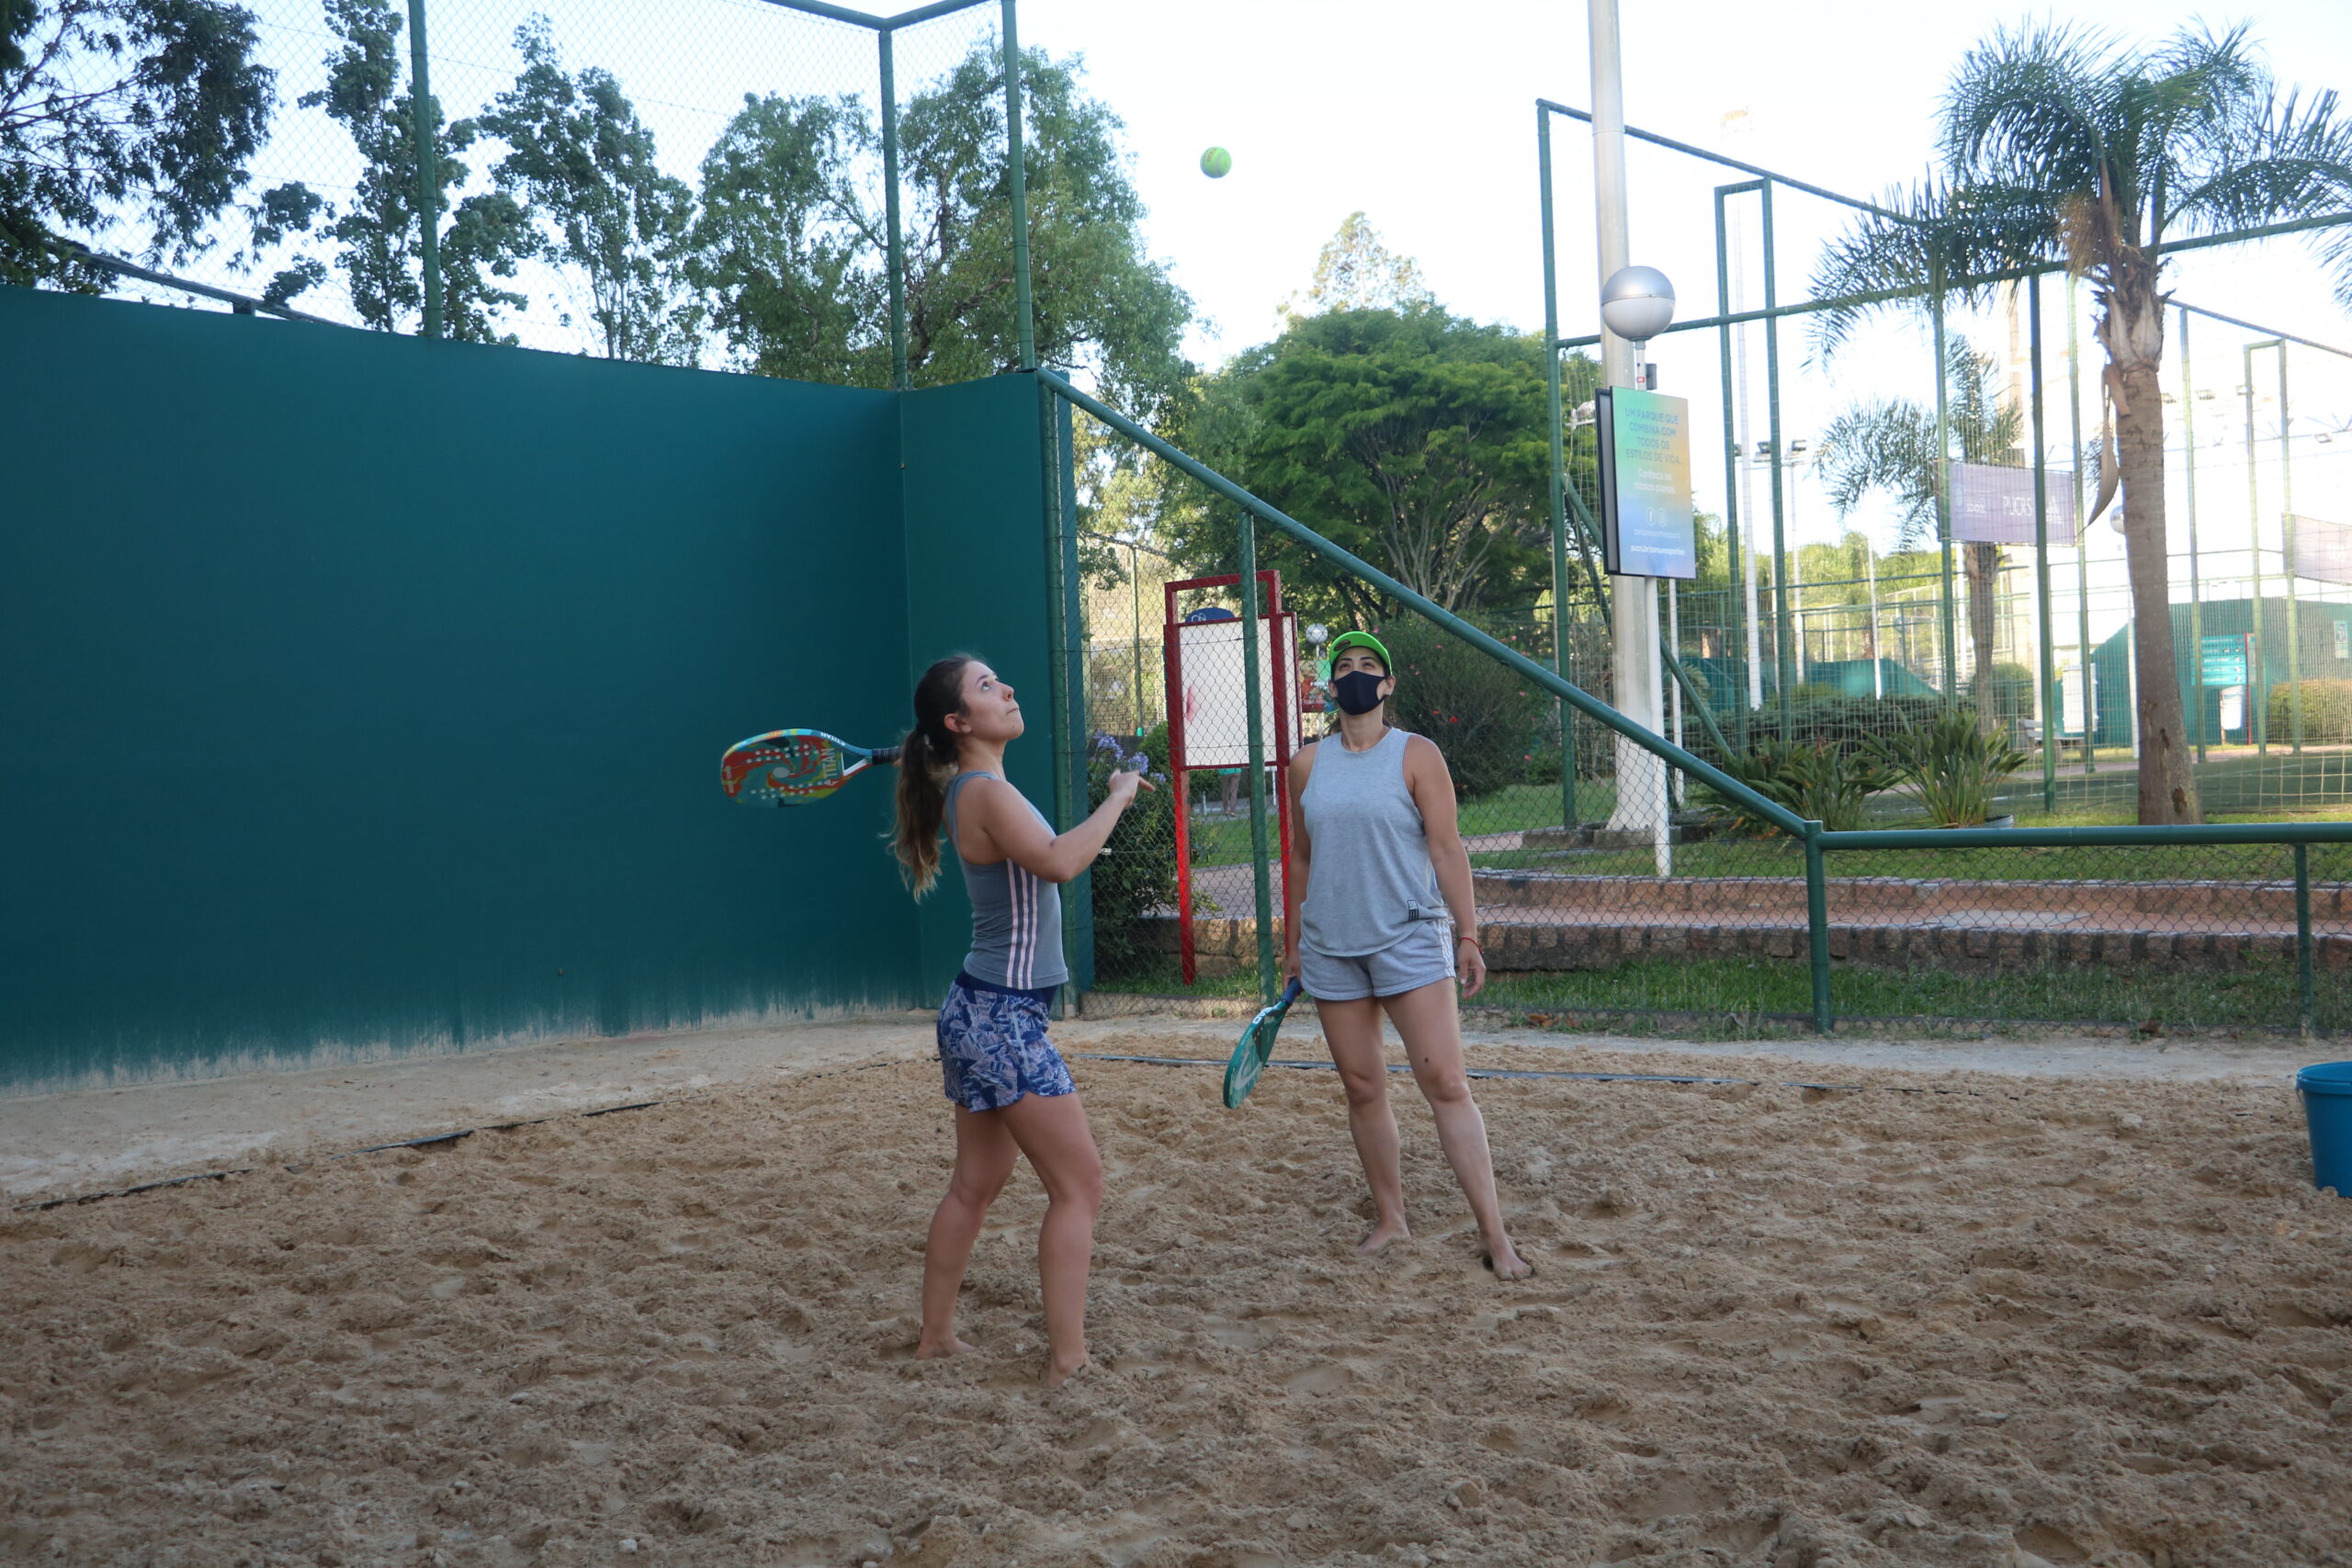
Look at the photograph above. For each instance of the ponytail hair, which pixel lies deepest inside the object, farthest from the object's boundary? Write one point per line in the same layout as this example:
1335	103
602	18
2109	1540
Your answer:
926	763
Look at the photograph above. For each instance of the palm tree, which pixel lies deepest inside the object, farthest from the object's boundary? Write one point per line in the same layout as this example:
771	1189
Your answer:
2062	147
1891	445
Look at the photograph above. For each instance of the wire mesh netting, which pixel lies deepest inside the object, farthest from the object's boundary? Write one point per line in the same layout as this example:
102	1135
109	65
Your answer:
696	183
1705	925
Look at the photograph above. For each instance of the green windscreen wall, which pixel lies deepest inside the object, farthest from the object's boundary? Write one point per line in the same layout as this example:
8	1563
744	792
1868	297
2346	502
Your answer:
361	693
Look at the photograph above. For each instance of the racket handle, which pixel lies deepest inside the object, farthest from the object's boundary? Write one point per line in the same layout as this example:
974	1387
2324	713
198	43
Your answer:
885	755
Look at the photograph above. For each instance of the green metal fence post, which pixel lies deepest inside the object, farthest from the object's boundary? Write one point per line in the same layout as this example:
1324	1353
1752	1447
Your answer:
1078	901
2053	705
2196	589
428	186
2082	525
2257	673
1816	920
1943	490
1731	481
2287	553
2303	979
1017	177
898	241
1559	473
1261	885
1783	649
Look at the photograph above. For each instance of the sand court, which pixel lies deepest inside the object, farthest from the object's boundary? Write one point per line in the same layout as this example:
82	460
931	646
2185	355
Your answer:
2017	1319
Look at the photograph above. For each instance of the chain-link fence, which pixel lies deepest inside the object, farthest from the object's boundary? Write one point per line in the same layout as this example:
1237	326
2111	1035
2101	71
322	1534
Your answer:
706	182
1829	869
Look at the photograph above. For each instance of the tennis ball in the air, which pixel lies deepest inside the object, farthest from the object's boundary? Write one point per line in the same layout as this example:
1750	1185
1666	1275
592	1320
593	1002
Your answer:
1217	162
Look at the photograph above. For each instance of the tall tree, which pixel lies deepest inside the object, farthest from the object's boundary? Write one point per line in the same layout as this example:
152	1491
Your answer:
123	114
585	165
791	245
1889	444
2063	146
1357	271
380	227
1414	439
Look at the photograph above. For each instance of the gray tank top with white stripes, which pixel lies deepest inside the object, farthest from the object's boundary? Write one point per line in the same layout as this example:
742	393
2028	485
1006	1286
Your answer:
1016	915
1370	880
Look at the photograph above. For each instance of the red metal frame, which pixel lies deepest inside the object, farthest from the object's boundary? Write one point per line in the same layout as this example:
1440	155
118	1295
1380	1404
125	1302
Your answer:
1283	649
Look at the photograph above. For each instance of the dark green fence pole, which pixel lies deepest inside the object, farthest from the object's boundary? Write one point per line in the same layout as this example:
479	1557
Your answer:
898	242
2054	702
1784	647
2303	979
1559	474
1943	492
2082	524
1731	482
2257	690
2196	591
1254	709
1018	178
1076	723
2287	553
428	188
1816	920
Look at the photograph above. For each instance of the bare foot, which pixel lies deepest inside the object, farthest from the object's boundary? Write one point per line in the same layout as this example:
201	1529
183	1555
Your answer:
1506	1262
927	1351
1381	1236
1056	1375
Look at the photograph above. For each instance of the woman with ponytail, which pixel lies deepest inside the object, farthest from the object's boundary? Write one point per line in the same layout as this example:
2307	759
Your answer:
1012	1093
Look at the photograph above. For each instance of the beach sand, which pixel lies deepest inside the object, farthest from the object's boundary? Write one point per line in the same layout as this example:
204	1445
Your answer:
1951	1318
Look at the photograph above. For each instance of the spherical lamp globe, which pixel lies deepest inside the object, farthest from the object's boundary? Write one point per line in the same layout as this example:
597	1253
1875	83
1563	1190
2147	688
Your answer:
1636	303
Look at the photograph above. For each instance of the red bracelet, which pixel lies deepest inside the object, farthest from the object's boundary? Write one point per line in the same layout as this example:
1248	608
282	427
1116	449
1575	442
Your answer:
1460	936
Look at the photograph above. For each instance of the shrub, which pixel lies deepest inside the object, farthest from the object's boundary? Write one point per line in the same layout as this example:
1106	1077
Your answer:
2327	712
1954	764
1815	779
1483	714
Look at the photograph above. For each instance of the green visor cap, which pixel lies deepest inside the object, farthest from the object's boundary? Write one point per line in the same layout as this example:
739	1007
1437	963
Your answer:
1346	640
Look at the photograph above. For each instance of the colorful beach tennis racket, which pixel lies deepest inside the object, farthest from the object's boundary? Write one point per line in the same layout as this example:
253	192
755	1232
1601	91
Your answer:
793	767
1256	1045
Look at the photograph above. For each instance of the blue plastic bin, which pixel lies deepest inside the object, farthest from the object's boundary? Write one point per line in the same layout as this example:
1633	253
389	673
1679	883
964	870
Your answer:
2327	1110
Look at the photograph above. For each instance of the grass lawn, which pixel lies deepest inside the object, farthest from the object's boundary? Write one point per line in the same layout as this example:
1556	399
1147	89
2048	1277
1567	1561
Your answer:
1740	995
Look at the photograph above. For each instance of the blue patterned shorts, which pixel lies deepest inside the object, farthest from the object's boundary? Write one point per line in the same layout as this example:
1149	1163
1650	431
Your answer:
993	1049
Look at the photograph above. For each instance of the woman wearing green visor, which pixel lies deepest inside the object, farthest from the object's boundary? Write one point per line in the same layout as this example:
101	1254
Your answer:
1382	918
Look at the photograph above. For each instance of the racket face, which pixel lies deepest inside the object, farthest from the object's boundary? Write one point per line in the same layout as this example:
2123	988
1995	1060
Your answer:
1256	1047
787	767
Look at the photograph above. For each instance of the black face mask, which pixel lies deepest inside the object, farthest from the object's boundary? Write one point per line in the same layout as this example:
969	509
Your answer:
1358	691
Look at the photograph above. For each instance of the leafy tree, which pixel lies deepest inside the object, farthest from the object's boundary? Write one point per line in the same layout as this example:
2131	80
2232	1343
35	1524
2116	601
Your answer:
585	164
123	112
1414	439
380	227
1889	444
2063	146
791	247
1357	271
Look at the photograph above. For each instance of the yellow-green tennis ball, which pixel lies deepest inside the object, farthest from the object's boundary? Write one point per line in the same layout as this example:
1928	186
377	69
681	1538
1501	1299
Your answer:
1217	162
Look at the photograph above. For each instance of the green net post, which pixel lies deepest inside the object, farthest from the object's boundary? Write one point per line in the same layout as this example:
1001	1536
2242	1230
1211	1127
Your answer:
1739	576
2304	983
1948	630
1559	473
2257	673
2196	589
2286	565
428	186
897	239
1261	883
1017	179
2083	524
1816	920
2054	706
1784	647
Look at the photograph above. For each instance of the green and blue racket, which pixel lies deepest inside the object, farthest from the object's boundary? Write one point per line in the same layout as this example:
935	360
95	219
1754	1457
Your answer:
793	767
1257	1044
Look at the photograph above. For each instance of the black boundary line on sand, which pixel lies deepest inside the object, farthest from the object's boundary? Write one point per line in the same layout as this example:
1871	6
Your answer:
430	1141
1682	1079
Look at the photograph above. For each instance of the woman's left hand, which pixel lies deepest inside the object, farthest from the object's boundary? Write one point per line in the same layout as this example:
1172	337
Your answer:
1469	966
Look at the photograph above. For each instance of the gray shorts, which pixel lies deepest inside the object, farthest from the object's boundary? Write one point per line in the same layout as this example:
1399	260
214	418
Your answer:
1421	958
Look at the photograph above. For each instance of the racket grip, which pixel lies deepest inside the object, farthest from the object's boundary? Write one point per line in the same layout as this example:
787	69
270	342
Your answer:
885	755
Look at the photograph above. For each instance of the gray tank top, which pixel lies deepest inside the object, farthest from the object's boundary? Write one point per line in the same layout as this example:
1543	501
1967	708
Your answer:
1370	880
1016	915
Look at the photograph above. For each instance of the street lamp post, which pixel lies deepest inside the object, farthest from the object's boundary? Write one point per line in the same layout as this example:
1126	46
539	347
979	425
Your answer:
1637	305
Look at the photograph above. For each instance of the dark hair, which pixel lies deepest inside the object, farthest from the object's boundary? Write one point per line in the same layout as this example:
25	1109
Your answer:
926	763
